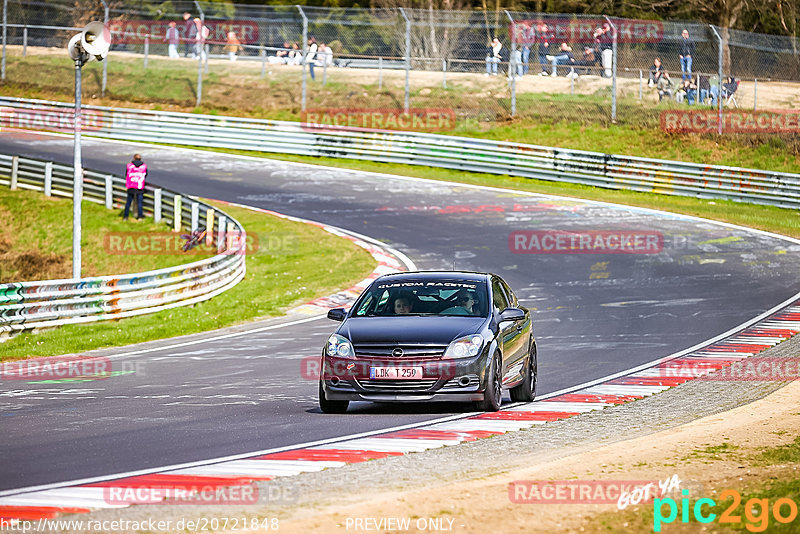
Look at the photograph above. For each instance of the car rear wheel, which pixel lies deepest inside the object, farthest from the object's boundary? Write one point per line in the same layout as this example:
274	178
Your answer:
331	406
493	394
526	390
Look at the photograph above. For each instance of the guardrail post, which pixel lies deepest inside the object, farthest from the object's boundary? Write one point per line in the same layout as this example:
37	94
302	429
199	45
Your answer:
109	192
25	41
221	233
146	49
48	178
176	222
231	235
157	205
14	171
195	215
210	227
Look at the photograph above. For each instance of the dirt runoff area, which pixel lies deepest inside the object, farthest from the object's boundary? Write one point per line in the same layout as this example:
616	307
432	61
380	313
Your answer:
693	452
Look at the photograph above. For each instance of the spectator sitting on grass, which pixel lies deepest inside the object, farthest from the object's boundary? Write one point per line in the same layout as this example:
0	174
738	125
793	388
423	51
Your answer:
590	59
689	90
325	55
564	57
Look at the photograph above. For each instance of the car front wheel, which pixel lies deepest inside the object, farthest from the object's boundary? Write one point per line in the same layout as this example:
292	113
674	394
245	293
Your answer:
493	394
331	406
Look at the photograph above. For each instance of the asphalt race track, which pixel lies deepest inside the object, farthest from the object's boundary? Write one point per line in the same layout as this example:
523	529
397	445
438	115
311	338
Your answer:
595	314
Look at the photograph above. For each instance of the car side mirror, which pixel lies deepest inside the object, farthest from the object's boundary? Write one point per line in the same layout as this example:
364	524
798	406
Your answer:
337	314
512	314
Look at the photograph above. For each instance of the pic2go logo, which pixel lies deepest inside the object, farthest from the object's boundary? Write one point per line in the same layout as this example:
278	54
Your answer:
756	511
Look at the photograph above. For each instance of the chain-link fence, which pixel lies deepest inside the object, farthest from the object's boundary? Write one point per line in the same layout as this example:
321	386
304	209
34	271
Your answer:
476	66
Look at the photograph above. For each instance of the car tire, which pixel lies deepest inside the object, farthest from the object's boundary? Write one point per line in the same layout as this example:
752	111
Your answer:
526	390
331	406
493	394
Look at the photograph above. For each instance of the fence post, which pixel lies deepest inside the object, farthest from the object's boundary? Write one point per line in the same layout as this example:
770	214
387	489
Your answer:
380	73
195	216
105	63
221	233
48	178
444	74
157	205
109	192
206	51
755	94
325	74
572	85
263	61
210	227
176	214
512	64
146	49
305	52
25	41
5	36
408	57
719	81
640	85
614	35
200	58
231	234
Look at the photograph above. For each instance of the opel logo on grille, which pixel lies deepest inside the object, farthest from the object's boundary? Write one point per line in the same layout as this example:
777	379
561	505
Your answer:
397	352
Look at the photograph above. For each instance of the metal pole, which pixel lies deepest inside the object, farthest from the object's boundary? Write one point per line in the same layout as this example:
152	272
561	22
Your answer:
512	64
408	58
5	36
305	52
207	50
444	74
146	49
325	74
380	73
755	94
105	63
719	81
25	42
640	85
77	179
263	61
613	71
200	56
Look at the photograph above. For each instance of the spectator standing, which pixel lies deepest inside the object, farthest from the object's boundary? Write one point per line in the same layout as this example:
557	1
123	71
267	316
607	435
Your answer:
189	33
172	39
493	57
528	36
202	33
604	42
543	36
233	46
311	56
135	175
687	51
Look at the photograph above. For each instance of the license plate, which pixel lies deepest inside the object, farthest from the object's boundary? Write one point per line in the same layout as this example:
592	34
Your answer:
395	373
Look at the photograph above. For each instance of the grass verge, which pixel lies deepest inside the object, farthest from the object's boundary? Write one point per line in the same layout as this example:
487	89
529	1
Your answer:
307	263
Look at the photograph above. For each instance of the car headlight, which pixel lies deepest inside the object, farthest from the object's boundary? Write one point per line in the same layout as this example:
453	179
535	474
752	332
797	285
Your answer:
465	347
340	346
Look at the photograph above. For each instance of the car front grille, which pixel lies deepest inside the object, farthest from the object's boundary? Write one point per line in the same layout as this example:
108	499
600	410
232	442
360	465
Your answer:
384	350
397	385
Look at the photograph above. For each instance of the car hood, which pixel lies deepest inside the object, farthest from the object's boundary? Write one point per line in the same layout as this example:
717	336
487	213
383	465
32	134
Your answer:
410	329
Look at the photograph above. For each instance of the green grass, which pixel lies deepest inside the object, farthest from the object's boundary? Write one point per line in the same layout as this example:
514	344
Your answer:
302	262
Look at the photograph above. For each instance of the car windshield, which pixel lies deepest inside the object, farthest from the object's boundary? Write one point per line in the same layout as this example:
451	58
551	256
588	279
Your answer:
441	297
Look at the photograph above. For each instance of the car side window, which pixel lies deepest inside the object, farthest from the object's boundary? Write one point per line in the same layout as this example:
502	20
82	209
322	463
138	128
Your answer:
498	296
512	298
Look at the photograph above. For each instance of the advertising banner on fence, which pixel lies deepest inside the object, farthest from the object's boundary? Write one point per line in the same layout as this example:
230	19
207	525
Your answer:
135	31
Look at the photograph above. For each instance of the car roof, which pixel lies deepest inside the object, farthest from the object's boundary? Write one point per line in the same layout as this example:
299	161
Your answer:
437	275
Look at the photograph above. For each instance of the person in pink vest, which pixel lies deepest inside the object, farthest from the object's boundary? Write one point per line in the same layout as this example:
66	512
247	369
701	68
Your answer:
135	175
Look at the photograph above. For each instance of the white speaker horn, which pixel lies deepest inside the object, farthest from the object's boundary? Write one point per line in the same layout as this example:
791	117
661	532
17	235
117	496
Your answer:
96	40
74	47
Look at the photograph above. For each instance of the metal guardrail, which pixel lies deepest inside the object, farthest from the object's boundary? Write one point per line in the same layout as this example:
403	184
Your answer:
434	150
41	304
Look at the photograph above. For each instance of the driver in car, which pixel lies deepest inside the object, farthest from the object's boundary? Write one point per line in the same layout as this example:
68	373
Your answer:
402	305
464	303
